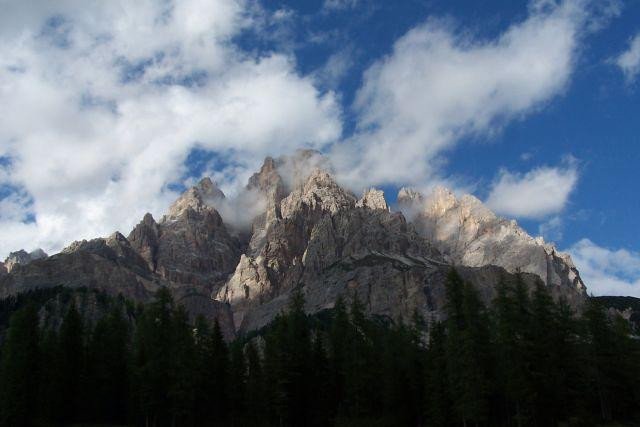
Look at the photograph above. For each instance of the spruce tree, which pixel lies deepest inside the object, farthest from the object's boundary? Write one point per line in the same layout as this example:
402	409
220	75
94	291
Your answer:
437	397
70	359
20	370
467	345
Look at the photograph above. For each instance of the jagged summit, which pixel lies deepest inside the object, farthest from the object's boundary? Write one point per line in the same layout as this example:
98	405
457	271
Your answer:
22	257
373	199
306	232
204	194
468	233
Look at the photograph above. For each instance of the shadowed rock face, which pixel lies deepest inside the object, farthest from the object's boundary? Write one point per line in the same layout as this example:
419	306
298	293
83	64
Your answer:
190	251
313	234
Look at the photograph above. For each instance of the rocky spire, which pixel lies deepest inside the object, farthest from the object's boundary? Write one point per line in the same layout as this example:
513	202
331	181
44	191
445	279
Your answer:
204	194
23	257
144	238
320	191
373	199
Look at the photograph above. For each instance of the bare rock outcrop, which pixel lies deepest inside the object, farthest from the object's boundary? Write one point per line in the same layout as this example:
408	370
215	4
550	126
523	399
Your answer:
22	257
373	199
191	244
330	247
468	233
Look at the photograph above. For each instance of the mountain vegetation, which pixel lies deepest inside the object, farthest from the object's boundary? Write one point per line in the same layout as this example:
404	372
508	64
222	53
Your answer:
525	360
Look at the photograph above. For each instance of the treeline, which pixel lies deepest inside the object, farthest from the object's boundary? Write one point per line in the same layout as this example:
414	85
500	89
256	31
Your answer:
526	360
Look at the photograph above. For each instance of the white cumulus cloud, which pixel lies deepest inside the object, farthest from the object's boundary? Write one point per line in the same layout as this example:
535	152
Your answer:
629	60
607	271
536	194
101	103
440	83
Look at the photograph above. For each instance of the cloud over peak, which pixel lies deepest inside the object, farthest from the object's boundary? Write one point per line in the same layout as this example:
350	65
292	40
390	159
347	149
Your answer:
536	194
440	84
102	102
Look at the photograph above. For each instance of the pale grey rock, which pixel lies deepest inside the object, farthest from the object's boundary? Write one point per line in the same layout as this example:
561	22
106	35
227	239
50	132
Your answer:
200	197
22	257
144	238
328	243
468	233
319	193
37	254
191	245
373	199
329	247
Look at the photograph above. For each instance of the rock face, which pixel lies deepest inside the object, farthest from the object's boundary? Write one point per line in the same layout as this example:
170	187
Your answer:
467	233
22	257
312	234
323	239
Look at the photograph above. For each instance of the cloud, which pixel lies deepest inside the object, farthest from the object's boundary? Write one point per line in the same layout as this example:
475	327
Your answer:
338	5
551	230
606	271
102	102
440	84
629	60
538	193
336	68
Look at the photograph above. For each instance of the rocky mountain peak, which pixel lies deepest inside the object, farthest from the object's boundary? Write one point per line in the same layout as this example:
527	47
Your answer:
312	234
373	199
201	196
469	233
320	191
409	196
22	257
267	177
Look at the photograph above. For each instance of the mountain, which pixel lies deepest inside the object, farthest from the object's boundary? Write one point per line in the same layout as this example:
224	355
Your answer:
21	257
307	232
468	233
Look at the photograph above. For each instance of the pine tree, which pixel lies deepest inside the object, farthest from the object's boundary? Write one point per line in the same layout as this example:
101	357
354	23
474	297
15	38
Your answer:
181	374
20	370
338	342
237	382
255	391
437	403
107	369
70	359
320	383
152	361
467	345
600	354
512	322
546	378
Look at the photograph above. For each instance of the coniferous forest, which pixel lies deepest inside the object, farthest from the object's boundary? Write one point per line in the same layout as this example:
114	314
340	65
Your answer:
526	360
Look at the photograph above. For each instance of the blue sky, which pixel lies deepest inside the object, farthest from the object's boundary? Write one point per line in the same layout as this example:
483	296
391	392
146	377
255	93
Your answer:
108	110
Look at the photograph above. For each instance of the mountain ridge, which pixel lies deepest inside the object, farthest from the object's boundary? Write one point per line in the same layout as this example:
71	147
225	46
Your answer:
309	233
